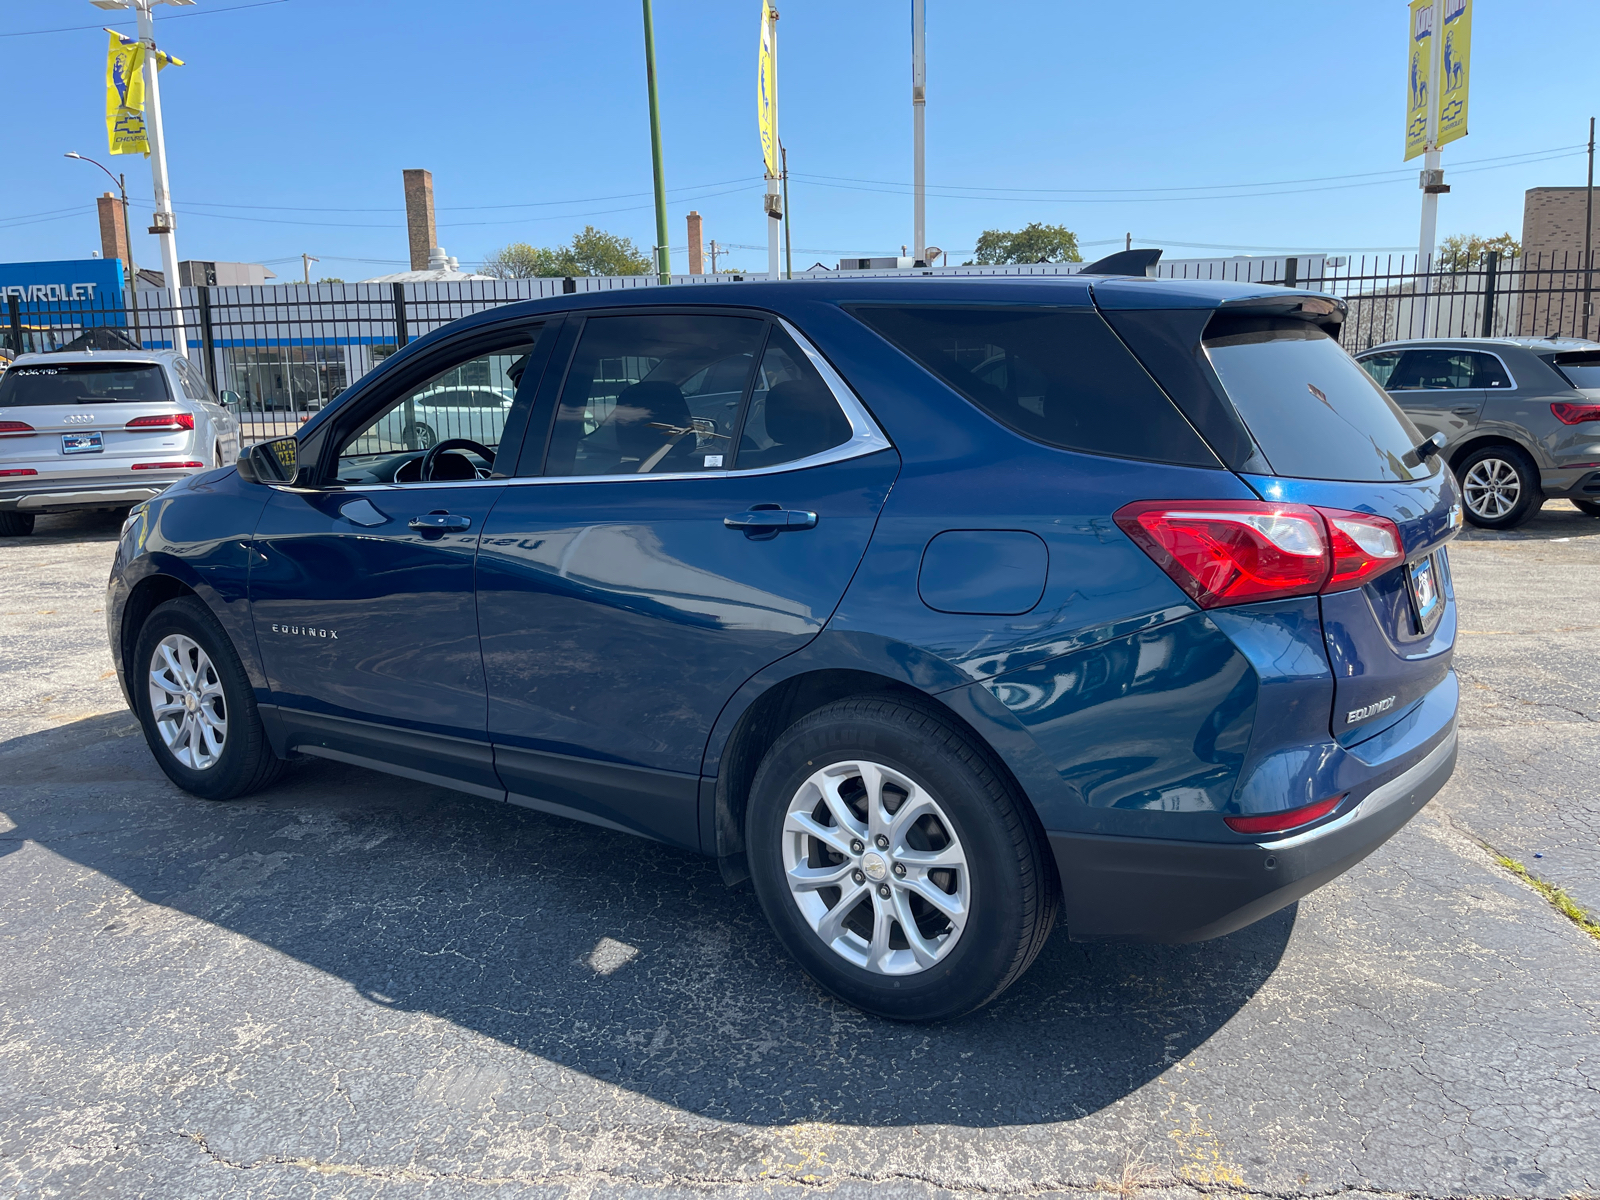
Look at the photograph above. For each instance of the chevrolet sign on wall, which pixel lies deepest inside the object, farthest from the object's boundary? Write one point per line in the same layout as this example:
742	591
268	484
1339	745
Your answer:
94	283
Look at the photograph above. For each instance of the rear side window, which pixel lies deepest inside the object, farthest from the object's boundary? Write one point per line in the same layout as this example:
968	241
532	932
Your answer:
83	383
1057	376
1314	413
1435	370
792	413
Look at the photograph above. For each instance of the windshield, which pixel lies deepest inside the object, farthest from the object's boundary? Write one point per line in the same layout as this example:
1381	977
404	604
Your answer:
83	383
1313	411
1581	369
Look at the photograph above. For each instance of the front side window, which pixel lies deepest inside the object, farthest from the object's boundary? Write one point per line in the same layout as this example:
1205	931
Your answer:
1056	375
469	400
654	394
84	383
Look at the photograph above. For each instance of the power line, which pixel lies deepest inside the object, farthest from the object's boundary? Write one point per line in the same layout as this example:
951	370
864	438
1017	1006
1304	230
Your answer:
200	12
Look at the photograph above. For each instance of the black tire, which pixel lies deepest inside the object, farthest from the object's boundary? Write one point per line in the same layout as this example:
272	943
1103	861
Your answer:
419	436
1592	507
1500	487
1012	892
16	524
246	762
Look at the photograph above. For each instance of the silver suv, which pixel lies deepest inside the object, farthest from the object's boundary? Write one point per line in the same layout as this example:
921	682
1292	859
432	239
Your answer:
103	429
1520	417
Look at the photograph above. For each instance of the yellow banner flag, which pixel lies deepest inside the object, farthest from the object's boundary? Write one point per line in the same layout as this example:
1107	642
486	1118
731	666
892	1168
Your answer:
767	91
1455	69
125	97
1418	77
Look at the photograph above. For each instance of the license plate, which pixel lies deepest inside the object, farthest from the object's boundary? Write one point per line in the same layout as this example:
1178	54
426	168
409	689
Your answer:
1424	579
90	441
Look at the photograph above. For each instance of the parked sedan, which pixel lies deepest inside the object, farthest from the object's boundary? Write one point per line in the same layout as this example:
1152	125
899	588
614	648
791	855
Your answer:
85	430
1520	417
937	609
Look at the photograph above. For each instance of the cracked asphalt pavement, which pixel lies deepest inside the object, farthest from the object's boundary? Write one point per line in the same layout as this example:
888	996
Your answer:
353	985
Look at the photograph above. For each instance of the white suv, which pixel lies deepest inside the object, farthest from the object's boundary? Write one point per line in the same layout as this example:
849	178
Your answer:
103	429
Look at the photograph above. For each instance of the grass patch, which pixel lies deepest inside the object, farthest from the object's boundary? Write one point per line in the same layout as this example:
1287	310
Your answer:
1559	900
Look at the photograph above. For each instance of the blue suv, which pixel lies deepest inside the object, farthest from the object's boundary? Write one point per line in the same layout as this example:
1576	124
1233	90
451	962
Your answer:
933	607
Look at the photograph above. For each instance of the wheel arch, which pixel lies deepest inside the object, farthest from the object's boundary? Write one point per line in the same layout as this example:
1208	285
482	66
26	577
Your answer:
1485	441
773	705
143	599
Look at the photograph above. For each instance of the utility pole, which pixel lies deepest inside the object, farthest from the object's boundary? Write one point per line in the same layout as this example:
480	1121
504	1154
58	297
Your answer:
788	249
307	260
919	104
662	255
1432	176
714	248
1588	243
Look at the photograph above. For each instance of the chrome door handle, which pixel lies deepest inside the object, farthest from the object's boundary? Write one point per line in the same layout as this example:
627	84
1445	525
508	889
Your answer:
762	518
440	521
1465	412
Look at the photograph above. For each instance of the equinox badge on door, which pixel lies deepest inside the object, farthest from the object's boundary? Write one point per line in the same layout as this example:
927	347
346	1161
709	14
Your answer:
306	631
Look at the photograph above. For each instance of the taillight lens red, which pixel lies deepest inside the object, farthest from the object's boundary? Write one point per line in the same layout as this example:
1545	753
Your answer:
166	466
1224	552
1278	822
1575	414
16	429
20	471
164	421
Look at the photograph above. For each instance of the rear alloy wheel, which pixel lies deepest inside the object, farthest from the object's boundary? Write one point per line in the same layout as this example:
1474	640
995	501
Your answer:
419	436
196	705
16	524
896	861
1499	487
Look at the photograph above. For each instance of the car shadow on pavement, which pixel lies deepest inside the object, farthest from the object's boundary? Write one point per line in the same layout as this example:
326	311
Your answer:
1558	520
622	959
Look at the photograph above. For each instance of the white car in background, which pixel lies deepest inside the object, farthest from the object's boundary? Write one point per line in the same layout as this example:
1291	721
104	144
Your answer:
103	429
475	411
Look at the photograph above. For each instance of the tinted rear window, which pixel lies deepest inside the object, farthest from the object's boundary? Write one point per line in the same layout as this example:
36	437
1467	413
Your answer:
83	383
1314	413
1581	367
1057	376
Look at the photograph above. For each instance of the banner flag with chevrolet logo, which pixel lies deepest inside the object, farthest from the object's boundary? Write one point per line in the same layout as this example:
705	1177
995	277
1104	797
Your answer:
1456	68
767	92
125	129
1419	83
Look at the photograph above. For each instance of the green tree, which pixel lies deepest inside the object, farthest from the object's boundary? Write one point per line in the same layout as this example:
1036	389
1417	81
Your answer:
330	279
592	252
1463	251
1035	243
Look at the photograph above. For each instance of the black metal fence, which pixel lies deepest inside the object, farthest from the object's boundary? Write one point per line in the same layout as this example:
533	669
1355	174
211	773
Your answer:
277	354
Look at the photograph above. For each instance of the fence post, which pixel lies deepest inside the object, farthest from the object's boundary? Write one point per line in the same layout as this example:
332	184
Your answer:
401	337
208	344
1491	271
1291	272
16	325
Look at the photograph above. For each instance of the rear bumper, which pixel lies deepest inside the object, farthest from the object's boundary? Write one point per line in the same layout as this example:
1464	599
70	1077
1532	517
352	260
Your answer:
1149	890
1567	483
55	497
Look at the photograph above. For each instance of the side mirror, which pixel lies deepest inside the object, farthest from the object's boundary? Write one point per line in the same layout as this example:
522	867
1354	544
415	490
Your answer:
230	399
270	462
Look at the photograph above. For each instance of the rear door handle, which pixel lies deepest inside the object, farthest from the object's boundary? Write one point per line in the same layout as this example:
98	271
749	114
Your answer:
762	519
440	521
1465	412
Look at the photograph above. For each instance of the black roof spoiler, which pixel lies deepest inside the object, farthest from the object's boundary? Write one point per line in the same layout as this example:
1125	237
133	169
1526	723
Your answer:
1326	311
1124	262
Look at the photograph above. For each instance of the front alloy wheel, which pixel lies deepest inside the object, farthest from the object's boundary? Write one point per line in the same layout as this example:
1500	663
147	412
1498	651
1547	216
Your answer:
875	868
187	702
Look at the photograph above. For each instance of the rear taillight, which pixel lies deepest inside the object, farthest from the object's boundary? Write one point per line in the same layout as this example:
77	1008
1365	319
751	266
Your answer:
19	471
1575	414
171	421
16	429
166	466
1364	547
1224	552
1280	821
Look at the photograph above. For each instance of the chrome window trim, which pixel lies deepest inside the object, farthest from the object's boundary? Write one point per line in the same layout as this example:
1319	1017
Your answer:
865	438
1488	391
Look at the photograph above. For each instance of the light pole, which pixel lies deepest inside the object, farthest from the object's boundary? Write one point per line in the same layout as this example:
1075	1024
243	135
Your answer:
919	104
127	237
662	257
162	221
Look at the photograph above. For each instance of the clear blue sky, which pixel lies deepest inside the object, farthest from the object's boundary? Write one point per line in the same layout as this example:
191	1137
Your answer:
290	124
